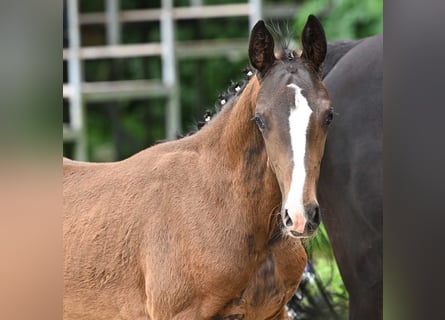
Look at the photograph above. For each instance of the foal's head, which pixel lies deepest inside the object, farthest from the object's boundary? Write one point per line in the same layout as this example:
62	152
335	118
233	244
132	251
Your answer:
293	113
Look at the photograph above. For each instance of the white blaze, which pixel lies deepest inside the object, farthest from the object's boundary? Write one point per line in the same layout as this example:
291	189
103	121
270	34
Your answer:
298	124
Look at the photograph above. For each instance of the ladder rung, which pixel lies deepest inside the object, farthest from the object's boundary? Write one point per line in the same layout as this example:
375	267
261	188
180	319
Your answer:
117	90
184	50
66	91
212	48
69	134
117	51
179	13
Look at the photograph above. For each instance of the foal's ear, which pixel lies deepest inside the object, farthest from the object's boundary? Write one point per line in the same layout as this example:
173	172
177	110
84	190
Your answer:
314	43
261	48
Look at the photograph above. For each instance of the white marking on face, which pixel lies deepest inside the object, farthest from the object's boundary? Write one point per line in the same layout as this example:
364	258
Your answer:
298	124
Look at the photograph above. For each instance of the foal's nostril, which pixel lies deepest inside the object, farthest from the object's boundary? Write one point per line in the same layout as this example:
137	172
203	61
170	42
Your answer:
287	219
314	215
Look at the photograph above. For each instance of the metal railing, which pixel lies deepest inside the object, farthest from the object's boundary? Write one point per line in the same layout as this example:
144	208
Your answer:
79	92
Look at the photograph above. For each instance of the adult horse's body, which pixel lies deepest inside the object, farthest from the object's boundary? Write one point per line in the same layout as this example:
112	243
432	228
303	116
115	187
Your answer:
351	182
191	229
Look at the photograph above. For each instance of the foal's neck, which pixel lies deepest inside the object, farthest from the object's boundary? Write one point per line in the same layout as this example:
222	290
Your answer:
232	133
237	144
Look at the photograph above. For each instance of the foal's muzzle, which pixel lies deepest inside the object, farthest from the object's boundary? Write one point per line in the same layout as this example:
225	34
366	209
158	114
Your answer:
312	215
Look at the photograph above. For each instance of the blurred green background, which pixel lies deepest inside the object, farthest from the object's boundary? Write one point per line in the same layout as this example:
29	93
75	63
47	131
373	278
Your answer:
119	129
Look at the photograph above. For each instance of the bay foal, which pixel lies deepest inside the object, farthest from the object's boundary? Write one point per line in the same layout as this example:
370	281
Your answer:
183	229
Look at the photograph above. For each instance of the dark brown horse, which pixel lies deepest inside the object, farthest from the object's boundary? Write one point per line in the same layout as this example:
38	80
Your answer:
351	176
194	228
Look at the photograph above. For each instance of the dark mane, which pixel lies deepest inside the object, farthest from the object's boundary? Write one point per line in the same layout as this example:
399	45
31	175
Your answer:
225	99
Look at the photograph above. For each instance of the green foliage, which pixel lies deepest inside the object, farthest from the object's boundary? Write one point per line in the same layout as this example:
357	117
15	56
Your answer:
328	277
319	245
331	279
344	19
324	293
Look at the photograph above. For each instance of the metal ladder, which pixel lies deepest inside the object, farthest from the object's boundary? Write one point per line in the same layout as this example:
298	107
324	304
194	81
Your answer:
78	93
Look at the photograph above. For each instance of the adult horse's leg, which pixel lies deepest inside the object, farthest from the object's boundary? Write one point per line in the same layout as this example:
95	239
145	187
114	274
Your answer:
350	183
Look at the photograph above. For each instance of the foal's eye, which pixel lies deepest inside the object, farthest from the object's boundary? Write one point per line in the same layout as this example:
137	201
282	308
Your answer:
329	117
259	121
